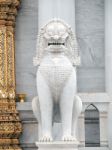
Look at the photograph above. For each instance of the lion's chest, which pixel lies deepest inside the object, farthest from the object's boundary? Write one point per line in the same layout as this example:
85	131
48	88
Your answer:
56	71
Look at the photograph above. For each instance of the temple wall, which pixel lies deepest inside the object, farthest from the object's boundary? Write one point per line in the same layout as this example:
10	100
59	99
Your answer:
26	34
90	75
90	34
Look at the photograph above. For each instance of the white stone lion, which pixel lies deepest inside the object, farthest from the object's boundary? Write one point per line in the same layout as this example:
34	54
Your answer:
57	58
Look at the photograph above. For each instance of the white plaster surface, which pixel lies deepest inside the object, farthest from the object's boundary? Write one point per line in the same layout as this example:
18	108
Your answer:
90	33
104	125
57	146
108	45
64	10
94	148
109	121
26	34
108	63
81	130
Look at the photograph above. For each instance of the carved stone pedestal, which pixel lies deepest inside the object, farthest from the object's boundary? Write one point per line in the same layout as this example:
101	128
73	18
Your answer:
57	145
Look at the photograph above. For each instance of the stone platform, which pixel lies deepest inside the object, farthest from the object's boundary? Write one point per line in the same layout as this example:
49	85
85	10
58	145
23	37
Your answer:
57	145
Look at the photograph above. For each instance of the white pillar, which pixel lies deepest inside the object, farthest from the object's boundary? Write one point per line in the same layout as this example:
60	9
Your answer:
108	45
110	126
108	62
62	9
81	129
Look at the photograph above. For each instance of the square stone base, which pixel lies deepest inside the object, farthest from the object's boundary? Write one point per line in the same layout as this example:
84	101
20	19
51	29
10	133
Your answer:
57	145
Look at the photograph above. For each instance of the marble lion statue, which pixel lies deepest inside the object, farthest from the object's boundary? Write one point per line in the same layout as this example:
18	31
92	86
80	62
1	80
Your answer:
57	57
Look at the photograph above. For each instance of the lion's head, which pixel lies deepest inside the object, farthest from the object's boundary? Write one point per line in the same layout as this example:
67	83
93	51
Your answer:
57	32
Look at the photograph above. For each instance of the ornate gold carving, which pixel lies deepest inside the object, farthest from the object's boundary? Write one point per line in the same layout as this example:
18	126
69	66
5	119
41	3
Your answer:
8	11
10	124
10	64
3	61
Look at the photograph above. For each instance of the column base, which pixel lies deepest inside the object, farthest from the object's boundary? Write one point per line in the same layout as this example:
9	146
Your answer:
57	145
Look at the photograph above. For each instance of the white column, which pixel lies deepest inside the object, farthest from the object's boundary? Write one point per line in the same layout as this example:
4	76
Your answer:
103	129
108	45
81	129
62	9
110	126
108	62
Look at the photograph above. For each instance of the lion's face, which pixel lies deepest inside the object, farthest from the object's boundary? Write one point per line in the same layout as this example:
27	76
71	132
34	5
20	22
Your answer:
56	33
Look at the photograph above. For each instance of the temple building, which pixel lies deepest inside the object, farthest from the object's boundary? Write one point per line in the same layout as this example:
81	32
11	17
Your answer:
20	23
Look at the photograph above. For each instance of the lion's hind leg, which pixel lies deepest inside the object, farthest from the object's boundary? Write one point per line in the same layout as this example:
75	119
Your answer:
77	108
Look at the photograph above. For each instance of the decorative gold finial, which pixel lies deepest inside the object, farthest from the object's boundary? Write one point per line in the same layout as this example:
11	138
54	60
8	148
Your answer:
21	97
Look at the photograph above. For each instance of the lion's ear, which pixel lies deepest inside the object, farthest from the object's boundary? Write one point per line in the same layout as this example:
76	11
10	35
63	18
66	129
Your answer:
69	30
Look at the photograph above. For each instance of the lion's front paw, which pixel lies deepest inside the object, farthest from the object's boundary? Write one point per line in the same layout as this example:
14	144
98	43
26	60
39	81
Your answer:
68	138
46	138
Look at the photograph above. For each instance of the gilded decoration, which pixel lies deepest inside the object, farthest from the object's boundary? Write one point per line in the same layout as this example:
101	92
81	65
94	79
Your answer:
10	124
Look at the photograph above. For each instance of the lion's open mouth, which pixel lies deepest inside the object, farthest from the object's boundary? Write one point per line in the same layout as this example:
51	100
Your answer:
56	44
